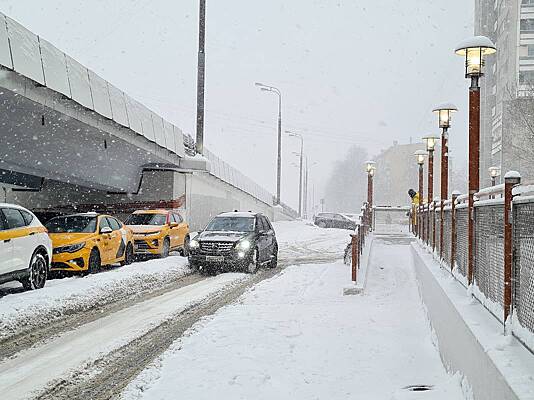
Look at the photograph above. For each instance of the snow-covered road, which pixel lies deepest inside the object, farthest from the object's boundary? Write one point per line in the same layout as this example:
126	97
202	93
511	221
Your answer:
31	369
285	333
55	340
295	336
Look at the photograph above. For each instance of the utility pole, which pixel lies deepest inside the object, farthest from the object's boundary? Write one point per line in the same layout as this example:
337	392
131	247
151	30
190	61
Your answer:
305	205
272	89
201	76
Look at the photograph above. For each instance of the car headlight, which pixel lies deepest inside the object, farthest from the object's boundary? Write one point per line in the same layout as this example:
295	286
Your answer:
72	248
244	245
193	244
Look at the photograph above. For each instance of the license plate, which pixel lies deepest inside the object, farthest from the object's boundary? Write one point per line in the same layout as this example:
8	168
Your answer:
215	258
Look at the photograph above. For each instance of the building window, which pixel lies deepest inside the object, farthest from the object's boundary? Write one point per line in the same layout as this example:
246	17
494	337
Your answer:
526	77
527	2
527	25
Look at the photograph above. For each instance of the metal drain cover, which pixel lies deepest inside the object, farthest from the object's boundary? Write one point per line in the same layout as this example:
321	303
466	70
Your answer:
418	388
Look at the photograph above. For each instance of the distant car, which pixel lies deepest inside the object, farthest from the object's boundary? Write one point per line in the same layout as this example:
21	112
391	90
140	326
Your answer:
85	242
334	220
235	241
157	232
352	217
25	248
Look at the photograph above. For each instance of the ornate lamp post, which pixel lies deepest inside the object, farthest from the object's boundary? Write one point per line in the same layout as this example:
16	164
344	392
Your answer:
370	167
444	112
474	50
430	142
420	156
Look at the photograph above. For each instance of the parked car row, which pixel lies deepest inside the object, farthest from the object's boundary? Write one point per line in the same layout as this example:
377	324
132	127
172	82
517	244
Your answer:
82	242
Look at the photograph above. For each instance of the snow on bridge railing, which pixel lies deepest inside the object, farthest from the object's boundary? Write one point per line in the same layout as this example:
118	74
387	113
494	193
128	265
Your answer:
503	251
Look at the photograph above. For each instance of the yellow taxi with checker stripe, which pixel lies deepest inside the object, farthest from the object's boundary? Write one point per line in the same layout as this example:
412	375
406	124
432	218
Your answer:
25	248
157	232
85	242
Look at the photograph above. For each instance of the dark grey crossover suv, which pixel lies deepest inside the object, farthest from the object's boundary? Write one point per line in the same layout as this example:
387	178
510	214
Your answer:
234	241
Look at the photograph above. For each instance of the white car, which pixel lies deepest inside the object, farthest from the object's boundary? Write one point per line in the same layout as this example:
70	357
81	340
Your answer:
25	248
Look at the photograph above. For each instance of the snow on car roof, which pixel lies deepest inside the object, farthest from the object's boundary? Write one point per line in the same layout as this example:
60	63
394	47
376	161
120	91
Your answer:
249	214
8	205
156	211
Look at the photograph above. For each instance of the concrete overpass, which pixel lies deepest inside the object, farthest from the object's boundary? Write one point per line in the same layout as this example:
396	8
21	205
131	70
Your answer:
69	136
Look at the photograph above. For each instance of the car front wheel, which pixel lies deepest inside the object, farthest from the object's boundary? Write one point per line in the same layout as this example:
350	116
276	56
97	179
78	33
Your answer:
166	248
274	258
37	273
94	262
128	255
253	263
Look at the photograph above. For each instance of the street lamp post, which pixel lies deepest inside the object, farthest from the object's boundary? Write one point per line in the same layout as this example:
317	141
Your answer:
430	142
444	112
272	89
201	76
301	155
474	50
494	173
306	185
370	167
420	156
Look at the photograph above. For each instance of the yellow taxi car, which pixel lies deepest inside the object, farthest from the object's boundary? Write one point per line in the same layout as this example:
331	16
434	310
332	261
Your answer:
25	248
157	232
85	242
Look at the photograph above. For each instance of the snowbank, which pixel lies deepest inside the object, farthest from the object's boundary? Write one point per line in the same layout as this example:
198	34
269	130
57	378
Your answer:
23	311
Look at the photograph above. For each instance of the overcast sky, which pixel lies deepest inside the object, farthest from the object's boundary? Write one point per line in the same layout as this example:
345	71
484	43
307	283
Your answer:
366	72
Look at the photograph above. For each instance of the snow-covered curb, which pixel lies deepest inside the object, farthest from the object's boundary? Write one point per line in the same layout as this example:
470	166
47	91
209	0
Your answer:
358	287
22	312
471	340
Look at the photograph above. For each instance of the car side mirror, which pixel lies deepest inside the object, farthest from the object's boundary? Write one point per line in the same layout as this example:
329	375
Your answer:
174	224
105	230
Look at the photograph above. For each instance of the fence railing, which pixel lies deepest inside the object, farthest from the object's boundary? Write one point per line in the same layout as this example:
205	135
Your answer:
502	251
354	249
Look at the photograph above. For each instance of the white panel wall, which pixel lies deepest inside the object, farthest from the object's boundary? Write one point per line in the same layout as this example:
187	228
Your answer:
5	54
25	51
55	68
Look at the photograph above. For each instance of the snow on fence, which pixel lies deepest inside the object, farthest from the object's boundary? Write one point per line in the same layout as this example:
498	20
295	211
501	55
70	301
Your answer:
391	219
495	269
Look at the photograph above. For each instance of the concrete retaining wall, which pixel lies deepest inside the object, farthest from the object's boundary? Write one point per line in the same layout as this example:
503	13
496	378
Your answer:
471	341
207	196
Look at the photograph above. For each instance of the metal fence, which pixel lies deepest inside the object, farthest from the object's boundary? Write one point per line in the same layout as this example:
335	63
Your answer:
447	235
523	275
494	268
437	224
461	256
489	252
391	219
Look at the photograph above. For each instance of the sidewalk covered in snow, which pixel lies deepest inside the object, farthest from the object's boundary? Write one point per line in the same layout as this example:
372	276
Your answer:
296	336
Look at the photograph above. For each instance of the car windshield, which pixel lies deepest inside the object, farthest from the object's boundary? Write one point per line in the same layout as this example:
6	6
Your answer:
231	224
146	219
72	224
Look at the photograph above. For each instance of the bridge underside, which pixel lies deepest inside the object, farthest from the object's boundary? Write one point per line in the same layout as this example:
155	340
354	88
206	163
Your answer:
40	141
